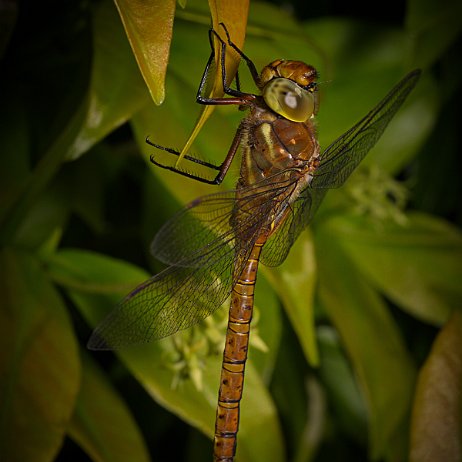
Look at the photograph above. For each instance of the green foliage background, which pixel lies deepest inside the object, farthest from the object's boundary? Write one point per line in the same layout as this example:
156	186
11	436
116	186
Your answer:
356	348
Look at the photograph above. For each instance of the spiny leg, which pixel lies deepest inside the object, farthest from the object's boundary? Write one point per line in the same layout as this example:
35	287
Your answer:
248	61
240	98
222	169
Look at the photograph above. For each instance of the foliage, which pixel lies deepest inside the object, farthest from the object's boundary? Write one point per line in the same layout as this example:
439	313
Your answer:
366	292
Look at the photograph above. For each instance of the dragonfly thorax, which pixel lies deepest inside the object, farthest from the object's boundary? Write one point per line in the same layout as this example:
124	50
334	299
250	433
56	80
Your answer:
272	144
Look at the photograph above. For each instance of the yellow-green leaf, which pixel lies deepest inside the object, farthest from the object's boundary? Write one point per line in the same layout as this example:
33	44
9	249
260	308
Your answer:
116	89
149	29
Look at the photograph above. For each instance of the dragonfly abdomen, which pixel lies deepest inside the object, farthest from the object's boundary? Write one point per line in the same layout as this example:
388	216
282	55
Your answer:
234	358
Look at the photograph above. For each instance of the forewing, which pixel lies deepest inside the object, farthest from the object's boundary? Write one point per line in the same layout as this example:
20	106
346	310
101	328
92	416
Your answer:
339	160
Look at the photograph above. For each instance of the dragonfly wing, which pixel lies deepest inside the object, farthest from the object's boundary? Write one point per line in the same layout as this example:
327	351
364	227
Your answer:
278	245
200	281
172	300
339	160
301	213
193	231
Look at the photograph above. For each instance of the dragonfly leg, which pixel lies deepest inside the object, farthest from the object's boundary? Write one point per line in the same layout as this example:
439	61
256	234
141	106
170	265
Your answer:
253	70
222	169
237	97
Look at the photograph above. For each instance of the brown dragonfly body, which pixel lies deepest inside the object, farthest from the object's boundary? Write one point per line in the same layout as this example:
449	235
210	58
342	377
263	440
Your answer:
215	244
271	146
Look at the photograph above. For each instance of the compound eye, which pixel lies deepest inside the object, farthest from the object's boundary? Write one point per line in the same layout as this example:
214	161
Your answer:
287	99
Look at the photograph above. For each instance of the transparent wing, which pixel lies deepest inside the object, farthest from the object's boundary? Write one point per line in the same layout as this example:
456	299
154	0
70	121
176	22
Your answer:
340	159
196	230
202	279
164	304
278	245
301	214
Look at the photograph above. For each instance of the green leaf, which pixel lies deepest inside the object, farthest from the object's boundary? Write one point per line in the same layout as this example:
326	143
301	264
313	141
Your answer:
266	327
408	130
48	214
418	265
171	124
39	365
102	424
259	435
300	398
436	431
373	343
33	185
149	30
44	111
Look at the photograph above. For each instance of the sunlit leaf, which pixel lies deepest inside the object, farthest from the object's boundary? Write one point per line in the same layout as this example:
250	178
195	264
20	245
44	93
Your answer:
436	431
92	272
149	28
39	365
116	90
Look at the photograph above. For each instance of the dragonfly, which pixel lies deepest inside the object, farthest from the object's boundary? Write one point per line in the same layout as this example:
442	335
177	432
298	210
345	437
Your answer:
214	245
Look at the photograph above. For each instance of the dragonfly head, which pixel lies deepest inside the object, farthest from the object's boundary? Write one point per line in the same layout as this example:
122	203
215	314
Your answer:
289	89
